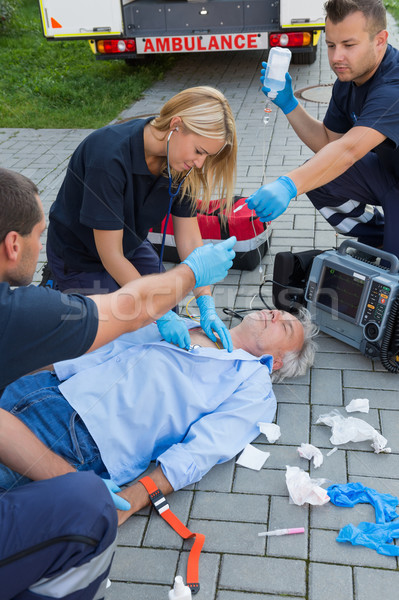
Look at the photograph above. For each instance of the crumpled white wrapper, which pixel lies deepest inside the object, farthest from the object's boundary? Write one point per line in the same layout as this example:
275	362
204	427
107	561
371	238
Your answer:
252	458
304	489
271	431
351	429
358	405
309	451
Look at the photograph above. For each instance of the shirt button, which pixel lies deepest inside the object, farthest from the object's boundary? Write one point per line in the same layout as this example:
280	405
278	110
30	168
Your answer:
118	359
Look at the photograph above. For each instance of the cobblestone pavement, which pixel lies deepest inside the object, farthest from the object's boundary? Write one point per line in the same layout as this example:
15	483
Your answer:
232	504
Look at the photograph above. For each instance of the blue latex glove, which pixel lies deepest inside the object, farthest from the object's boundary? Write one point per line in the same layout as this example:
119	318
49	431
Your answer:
349	494
174	330
372	535
285	99
211	262
271	200
119	502
210	322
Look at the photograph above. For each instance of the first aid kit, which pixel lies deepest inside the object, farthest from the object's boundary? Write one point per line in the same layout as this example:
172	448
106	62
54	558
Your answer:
253	236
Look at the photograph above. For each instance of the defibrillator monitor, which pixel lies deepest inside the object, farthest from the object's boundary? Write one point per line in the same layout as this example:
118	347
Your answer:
341	290
351	298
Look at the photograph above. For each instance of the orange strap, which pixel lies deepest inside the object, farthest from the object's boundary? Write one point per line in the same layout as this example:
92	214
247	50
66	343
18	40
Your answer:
161	505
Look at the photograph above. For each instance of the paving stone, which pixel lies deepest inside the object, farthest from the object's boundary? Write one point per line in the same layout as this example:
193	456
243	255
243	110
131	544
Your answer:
372	583
258	574
128	591
390	428
334	467
280	456
229	536
324	548
144	565
381	484
325	343
377	398
371	381
265	481
329	360
330	581
293	420
230	507
132	531
285	515
334	517
373	465
302	380
292	393
326	387
225	595
219	479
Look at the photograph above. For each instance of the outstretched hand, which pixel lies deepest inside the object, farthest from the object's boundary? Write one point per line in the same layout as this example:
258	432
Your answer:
211	262
271	200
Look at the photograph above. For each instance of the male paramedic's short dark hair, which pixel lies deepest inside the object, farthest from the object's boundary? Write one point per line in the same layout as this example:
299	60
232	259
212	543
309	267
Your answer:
373	10
19	208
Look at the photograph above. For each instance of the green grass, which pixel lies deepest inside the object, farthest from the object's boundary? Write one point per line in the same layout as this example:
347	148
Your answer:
393	7
60	84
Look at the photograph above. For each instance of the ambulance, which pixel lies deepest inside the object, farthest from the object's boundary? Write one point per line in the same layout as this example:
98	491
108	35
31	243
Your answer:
133	29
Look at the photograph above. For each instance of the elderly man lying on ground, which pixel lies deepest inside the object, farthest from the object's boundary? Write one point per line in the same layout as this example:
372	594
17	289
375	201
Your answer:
140	399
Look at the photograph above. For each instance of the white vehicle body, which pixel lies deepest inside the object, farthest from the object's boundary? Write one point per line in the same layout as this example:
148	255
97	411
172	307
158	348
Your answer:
132	28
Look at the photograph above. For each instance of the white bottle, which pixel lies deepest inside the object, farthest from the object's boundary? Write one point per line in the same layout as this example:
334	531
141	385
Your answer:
179	591
278	63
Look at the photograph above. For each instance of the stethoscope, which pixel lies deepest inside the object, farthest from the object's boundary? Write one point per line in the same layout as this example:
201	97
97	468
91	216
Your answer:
172	196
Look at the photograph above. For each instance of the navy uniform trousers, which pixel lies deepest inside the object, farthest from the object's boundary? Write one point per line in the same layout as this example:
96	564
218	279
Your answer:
349	203
57	539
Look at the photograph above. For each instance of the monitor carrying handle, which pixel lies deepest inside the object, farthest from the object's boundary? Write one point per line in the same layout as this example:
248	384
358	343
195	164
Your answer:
377	252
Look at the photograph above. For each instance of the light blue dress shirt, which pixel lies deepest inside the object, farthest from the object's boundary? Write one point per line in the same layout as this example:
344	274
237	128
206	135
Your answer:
143	399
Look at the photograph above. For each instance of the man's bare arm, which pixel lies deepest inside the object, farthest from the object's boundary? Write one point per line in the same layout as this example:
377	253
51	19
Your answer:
312	132
148	298
335	158
138	496
23	452
140	302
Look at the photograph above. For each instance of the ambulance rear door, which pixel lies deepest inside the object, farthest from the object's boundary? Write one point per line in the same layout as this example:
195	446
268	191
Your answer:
81	19
302	13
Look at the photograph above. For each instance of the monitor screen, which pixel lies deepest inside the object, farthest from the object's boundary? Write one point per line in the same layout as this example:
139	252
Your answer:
340	291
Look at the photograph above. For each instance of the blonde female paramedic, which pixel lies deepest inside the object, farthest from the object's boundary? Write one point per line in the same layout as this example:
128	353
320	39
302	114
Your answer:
124	179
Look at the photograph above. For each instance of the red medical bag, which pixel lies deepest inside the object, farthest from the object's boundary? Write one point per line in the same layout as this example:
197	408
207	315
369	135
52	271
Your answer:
252	235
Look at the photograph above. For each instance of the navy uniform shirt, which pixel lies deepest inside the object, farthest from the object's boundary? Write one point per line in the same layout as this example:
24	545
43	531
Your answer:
39	326
108	186
373	104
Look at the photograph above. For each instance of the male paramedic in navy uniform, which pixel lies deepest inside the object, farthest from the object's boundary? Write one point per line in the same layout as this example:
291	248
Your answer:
57	536
356	163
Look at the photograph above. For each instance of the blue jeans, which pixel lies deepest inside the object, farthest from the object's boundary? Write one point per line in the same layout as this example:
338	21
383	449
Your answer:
37	401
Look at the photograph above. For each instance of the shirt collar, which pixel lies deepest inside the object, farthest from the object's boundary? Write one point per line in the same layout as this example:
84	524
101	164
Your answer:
239	354
139	166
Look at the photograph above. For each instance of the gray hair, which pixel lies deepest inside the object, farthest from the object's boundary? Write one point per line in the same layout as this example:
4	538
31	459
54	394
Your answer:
297	362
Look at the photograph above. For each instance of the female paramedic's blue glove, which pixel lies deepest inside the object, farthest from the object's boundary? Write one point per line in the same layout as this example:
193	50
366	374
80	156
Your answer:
119	502
210	263
174	330
210	322
285	99
271	200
